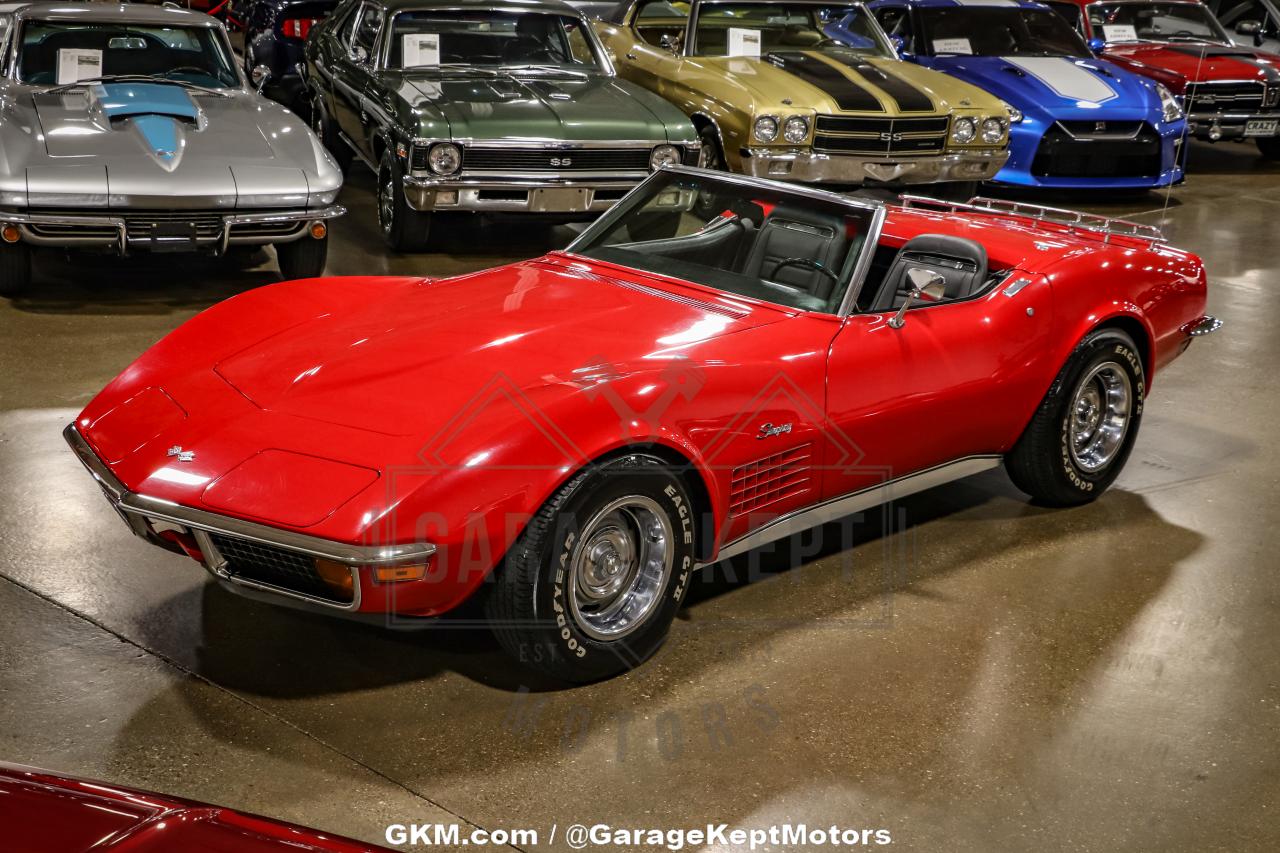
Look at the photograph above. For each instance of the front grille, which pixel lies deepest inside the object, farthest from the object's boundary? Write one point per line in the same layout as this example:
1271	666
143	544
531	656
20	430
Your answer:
267	229
140	224
767	481
1224	97
508	160
1064	155
273	566
881	136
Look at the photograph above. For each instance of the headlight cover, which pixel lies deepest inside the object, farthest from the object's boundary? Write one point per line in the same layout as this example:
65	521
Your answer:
796	129
963	130
993	130
1170	109
664	155
445	158
766	129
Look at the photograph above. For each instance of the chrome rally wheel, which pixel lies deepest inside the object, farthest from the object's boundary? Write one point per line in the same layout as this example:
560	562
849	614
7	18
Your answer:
620	566
1100	413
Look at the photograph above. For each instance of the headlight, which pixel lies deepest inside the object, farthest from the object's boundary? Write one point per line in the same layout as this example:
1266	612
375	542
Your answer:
1170	109
796	130
664	155
963	130
992	130
445	158
1015	114
766	129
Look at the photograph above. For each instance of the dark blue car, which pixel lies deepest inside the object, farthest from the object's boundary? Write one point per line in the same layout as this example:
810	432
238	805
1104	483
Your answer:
275	32
1078	122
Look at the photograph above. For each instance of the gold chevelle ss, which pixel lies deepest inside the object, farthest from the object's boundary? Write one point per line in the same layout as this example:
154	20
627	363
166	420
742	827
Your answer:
807	91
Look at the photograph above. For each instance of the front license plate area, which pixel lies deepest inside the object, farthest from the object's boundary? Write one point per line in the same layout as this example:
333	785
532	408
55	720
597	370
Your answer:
1262	127
559	200
173	237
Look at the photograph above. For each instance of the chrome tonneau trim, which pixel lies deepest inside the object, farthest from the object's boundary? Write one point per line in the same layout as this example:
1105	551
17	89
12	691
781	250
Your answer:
1074	221
137	509
837	508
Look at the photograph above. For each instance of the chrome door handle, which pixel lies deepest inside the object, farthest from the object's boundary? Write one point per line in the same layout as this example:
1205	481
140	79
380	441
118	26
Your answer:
632	57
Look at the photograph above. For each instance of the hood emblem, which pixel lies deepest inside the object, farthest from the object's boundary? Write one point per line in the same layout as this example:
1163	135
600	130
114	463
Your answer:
176	452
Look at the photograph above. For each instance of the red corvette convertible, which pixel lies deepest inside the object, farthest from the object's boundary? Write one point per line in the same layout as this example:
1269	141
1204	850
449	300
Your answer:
714	365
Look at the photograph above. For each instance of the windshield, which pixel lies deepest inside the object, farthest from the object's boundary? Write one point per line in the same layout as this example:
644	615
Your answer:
491	39
1127	22
756	29
763	243
64	52
999	31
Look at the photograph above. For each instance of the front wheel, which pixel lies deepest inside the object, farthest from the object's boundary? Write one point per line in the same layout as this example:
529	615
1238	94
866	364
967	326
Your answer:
303	258
15	268
1270	147
1081	436
591	587
711	155
403	228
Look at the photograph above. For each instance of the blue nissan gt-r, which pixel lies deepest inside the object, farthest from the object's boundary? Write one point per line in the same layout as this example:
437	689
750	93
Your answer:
1077	122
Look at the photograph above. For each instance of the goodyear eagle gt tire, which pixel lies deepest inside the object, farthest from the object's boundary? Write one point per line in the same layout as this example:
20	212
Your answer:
1081	436
591	587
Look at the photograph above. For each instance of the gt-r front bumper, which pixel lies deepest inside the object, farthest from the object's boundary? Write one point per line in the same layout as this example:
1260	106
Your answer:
819	167
205	536
126	232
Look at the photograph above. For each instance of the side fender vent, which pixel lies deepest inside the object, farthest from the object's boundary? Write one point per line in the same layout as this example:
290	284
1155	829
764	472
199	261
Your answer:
767	481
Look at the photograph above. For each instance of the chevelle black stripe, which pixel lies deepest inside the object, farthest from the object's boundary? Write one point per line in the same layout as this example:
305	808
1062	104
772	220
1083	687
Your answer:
848	95
908	98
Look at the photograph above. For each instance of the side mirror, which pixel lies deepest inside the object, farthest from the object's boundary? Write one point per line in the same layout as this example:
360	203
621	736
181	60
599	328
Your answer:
359	54
900	45
670	42
1248	28
260	75
1096	45
926	286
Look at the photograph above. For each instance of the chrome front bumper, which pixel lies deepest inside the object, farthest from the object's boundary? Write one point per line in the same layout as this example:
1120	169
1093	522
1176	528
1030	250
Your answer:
67	229
1228	125
503	195
819	167
147	516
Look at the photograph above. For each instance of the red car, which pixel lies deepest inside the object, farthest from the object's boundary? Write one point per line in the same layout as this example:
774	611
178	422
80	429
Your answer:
43	812
1228	91
715	364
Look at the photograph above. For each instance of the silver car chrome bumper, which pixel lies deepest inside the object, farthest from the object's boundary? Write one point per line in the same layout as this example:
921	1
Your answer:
67	229
143	513
819	167
502	195
1203	326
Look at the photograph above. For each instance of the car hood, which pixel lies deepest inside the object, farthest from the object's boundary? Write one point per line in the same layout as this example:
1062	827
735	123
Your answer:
547	322
837	80
595	108
1056	87
1200	61
148	144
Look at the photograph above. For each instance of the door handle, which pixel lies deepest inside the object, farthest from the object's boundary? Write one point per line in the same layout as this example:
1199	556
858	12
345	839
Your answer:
632	57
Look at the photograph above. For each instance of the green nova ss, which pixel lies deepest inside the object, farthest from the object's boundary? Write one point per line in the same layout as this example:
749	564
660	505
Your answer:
484	106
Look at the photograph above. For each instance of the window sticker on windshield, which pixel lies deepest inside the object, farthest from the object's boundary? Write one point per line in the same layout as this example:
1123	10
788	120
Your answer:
75	64
953	46
421	49
743	42
1119	32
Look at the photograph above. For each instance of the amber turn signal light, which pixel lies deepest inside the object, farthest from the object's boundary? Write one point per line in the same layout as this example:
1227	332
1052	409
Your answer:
11	234
319	230
336	576
396	574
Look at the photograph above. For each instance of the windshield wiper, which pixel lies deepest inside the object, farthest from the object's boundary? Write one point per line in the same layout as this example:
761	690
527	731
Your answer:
133	78
550	69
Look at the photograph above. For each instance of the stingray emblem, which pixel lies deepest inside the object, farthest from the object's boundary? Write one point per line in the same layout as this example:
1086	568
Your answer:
770	430
176	452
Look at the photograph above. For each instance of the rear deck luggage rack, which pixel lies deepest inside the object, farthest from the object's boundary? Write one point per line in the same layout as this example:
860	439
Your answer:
1073	220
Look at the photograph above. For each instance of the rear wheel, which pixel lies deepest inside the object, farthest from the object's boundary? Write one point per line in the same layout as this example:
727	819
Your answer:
15	268
1270	147
594	582
403	228
303	258
1083	432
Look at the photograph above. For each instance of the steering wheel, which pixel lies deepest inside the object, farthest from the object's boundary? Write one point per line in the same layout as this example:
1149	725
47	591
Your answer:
188	69
807	264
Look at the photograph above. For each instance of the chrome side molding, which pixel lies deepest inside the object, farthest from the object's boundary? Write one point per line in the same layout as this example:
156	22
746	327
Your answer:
836	508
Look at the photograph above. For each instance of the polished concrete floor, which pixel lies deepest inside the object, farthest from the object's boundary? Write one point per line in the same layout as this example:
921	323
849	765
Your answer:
970	672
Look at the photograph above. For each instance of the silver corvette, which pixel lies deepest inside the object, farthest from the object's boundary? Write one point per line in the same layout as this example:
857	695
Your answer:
129	128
